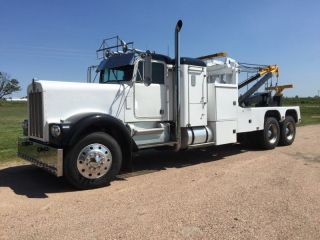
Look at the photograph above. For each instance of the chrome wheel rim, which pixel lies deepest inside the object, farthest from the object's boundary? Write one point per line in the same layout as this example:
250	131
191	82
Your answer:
94	161
289	131
272	133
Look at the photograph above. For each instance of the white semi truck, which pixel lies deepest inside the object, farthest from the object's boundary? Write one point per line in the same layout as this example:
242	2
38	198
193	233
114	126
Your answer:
87	132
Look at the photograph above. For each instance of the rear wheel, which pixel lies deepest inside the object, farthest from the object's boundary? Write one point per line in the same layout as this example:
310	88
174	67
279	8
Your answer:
93	162
270	135
288	131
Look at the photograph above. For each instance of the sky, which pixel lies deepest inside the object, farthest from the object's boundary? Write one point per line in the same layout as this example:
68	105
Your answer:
58	39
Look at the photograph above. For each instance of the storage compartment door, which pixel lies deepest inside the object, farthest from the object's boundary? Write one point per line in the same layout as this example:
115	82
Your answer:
226	103
224	132
197	97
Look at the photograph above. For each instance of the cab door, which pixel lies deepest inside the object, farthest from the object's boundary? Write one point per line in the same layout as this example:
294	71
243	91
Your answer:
150	101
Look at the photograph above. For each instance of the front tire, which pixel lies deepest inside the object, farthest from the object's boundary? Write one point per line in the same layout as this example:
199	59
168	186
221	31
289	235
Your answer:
288	131
270	135
93	162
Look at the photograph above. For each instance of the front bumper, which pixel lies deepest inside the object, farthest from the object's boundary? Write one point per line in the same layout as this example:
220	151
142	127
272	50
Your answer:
43	156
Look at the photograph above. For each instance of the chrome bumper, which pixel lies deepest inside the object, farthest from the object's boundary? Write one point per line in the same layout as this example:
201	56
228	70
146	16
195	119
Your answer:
48	158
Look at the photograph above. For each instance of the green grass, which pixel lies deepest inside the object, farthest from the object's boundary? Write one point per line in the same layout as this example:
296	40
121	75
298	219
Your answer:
13	113
309	108
11	116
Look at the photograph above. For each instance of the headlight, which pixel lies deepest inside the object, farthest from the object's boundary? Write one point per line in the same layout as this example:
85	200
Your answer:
55	130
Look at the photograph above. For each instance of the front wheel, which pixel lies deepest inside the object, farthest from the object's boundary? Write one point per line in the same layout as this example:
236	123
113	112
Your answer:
93	162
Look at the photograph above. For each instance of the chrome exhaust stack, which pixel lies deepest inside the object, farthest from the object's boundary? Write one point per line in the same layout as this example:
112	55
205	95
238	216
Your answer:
177	83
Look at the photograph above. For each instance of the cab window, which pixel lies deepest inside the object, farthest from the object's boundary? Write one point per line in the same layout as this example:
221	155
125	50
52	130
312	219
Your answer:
123	73
157	72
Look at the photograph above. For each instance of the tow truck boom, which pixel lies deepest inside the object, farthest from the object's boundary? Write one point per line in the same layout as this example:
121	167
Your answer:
266	72
262	71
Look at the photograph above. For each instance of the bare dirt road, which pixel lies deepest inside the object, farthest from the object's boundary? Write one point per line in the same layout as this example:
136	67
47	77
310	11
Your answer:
218	193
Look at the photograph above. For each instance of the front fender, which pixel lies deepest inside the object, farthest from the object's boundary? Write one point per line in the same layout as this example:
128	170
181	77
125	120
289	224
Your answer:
97	121
78	125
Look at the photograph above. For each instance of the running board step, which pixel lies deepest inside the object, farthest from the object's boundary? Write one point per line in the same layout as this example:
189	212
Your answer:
149	134
156	145
199	145
146	131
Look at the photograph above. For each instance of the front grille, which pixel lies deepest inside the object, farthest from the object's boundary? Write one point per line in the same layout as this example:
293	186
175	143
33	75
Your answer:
35	114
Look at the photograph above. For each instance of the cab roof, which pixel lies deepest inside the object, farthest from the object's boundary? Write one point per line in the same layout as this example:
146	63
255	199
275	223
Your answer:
128	59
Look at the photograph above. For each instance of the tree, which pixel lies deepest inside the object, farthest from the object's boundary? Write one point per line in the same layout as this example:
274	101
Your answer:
8	85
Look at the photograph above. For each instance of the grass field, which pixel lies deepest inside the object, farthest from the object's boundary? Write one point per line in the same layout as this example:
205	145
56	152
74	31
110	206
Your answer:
309	107
11	116
13	113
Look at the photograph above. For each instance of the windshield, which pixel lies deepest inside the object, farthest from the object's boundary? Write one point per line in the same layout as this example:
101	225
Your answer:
123	73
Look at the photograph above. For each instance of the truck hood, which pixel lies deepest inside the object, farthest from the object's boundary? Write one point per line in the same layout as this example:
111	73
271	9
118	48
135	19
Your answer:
62	100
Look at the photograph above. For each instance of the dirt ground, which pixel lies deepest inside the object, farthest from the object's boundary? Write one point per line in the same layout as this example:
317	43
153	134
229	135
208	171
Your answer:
218	193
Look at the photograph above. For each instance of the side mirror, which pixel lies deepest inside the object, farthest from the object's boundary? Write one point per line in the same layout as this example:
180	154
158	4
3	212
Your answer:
147	69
